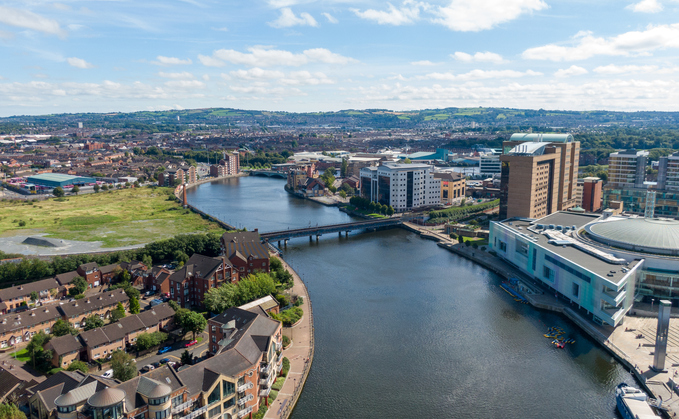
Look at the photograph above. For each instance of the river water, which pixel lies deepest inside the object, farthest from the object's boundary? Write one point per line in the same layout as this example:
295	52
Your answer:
405	329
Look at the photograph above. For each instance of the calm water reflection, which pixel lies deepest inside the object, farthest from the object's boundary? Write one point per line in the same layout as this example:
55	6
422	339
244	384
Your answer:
405	329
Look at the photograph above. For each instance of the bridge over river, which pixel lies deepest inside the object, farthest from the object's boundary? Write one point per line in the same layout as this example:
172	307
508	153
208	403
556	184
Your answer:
333	228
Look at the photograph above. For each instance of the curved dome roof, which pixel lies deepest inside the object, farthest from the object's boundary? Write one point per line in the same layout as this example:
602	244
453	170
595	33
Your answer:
106	397
153	389
653	235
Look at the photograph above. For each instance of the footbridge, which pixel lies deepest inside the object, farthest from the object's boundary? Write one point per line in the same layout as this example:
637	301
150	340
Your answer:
327	229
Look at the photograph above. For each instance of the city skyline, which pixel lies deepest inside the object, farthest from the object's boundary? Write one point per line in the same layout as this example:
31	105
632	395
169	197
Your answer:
306	55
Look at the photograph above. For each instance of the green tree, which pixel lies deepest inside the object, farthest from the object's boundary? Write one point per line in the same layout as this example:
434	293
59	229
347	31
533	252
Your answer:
123	366
35	346
407	161
345	168
79	286
58	192
34	296
118	313
75	189
62	328
390	211
275	263
194	322
148	261
96	188
186	358
135	307
11	411
149	340
78	366
104	187
219	299
93	322
343	194
173	304
460	239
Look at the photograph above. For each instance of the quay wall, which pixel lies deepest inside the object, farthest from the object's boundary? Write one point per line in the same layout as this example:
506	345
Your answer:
179	191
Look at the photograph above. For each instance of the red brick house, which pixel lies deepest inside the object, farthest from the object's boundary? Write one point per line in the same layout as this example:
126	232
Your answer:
189	284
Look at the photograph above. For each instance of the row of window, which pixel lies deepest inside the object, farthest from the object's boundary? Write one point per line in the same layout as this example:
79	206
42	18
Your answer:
568	269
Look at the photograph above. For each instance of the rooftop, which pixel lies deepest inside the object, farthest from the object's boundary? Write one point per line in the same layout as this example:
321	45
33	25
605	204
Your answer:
653	235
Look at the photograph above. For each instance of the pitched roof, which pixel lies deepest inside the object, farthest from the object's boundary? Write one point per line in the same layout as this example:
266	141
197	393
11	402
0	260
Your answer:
156	314
64	344
26	289
204	266
247	243
90	266
109	268
95	302
67	278
94	337
16	321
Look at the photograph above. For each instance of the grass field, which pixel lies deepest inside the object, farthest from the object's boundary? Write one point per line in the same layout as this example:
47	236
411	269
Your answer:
118	218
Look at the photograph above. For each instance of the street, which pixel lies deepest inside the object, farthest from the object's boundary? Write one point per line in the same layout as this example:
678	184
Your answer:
178	348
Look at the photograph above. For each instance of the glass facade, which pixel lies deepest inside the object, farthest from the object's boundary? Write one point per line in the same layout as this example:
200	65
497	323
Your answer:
111	412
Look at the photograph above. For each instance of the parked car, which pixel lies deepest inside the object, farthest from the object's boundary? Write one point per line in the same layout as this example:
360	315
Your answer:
107	374
193	342
148	368
156	365
164	349
156	302
164	360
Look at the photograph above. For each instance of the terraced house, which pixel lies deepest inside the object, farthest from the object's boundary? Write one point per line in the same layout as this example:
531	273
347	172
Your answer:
12	298
18	328
100	304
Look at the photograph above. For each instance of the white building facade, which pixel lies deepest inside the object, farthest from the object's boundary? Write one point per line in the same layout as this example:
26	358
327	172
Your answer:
403	186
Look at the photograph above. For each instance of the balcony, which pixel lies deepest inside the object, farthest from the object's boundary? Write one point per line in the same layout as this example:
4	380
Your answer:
279	368
246	386
266	370
182	407
244	412
195	413
265	392
244	400
266	382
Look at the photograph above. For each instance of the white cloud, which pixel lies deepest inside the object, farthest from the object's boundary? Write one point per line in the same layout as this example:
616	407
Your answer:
408	13
222	29
645	6
167	61
489	57
185	84
78	62
306	78
288	19
185	75
30	20
573	70
277	4
477	15
620	69
267	57
423	63
481	74
330	18
628	43
257	74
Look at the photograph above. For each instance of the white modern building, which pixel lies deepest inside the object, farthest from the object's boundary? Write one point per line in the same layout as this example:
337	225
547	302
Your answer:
490	165
403	186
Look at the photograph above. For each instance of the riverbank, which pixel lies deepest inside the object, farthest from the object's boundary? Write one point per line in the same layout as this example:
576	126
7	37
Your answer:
179	194
300	353
635	354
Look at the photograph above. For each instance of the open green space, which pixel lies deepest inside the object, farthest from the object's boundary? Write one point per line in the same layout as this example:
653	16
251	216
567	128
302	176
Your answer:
22	355
478	240
437	117
117	218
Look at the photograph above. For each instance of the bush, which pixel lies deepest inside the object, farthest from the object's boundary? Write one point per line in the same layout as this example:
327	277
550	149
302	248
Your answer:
289	316
286	341
278	384
453	236
22	223
286	367
299	301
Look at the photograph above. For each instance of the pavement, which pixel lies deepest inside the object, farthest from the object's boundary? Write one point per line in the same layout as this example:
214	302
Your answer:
300	354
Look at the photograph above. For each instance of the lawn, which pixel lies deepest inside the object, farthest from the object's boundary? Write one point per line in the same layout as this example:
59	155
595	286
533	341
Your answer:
22	355
117	218
478	240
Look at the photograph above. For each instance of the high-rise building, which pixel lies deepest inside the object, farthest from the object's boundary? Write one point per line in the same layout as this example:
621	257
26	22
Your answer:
668	173
490	165
402	186
627	169
539	174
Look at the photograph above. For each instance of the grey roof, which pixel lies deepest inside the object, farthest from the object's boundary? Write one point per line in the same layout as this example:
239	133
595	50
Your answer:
200	376
77	395
94	337
67	278
109	268
248	243
95	302
204	266
106	397
152	389
652	235
90	266
26	289
64	344
17	321
156	314
552	138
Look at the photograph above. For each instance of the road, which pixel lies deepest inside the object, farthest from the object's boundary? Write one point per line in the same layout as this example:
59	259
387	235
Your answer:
199	350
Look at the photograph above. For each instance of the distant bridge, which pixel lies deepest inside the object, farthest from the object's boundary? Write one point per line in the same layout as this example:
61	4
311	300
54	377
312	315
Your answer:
269	173
327	229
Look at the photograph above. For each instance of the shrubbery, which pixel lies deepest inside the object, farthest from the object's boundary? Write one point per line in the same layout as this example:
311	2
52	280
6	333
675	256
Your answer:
457	213
289	316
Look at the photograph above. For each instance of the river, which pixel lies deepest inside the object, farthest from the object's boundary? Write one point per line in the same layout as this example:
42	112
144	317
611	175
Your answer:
405	329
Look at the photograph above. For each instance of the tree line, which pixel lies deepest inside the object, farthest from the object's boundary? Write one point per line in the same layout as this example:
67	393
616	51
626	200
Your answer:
373	207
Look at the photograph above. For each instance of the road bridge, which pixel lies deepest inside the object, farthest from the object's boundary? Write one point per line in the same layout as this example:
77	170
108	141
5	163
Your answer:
270	173
333	228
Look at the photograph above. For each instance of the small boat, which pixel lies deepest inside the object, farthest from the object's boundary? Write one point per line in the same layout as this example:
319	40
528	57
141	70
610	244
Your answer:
634	404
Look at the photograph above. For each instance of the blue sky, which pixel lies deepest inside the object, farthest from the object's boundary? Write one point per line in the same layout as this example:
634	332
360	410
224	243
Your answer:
324	55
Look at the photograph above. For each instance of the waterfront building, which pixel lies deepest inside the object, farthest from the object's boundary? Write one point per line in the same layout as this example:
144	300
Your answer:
177	176
246	252
538	176
490	165
189	284
548	250
229	165
402	186
452	186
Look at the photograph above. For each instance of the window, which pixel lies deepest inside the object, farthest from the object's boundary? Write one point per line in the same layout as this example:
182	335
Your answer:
576	290
503	246
214	328
158	401
215	396
228	389
568	269
521	247
214	338
163	414
214	412
548	273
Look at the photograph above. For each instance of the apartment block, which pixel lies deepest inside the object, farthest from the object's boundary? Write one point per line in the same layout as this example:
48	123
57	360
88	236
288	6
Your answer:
189	284
627	169
246	252
592	193
490	165
539	175
452	187
402	186
18	328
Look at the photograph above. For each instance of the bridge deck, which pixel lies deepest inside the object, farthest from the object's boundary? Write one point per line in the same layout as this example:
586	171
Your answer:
333	228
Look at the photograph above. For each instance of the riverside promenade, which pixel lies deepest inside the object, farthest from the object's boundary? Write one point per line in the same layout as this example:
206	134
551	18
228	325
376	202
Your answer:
300	354
636	354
